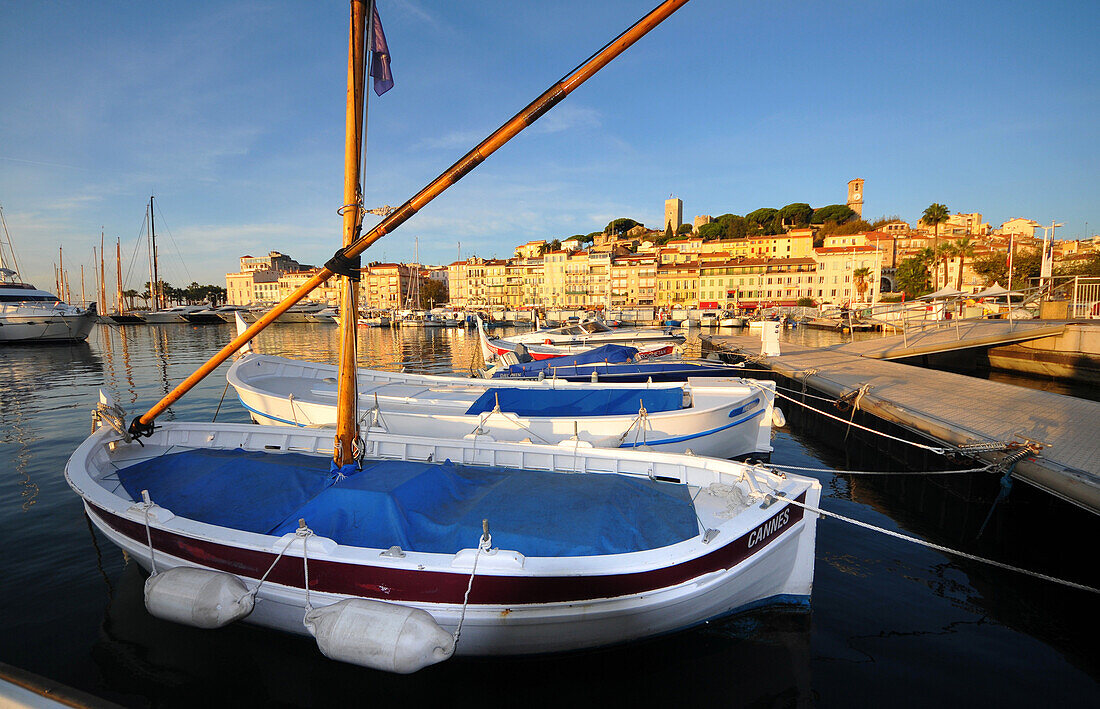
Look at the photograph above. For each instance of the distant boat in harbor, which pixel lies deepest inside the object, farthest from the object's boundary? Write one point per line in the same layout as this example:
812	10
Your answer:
31	315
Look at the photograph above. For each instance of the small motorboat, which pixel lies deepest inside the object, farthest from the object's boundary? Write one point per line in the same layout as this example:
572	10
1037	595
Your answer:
592	332
495	347
615	363
708	320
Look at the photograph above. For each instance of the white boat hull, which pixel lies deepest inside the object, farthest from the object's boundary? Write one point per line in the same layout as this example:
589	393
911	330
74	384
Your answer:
47	327
519	605
728	417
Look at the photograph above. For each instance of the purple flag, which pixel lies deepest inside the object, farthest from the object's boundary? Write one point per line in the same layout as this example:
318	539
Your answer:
380	56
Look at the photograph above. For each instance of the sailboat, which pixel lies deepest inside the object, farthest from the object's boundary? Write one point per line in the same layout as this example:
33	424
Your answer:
29	315
159	314
413	315
120	316
396	552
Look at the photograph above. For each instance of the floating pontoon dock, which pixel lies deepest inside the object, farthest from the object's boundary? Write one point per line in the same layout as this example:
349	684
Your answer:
956	410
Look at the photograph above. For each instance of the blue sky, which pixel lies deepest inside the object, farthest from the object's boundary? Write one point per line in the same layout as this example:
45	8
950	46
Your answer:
232	114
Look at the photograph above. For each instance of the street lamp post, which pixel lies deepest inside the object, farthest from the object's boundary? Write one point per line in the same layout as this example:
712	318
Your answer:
1047	267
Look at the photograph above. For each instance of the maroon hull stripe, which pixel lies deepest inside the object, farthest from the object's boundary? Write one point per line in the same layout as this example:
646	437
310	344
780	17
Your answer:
412	586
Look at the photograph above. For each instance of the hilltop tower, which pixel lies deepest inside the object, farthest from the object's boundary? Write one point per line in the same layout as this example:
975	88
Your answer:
855	196
674	213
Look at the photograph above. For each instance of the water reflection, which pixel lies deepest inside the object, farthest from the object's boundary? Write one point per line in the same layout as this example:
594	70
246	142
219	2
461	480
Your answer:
891	622
763	660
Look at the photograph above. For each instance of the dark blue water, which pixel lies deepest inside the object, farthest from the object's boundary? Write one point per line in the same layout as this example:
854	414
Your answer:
891	623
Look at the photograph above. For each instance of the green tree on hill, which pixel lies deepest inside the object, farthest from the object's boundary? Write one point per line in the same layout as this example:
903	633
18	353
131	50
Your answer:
618	227
796	214
838	213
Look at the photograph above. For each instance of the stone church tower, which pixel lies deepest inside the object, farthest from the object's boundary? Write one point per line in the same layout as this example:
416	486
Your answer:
855	196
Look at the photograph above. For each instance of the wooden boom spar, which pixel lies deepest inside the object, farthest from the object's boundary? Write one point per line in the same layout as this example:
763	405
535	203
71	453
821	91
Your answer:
346	260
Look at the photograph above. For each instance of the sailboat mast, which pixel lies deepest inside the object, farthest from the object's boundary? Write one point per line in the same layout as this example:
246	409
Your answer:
102	276
7	238
347	257
61	270
120	304
346	389
154	287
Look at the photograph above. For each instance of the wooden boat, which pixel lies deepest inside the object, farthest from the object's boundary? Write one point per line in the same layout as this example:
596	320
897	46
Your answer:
498	347
721	417
593	332
382	547
587	547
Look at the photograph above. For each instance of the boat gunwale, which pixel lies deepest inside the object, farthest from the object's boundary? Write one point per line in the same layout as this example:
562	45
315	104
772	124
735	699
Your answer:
686	551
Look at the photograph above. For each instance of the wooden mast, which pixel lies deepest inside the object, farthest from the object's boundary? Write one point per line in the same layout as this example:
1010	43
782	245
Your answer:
102	276
346	390
344	261
120	305
154	287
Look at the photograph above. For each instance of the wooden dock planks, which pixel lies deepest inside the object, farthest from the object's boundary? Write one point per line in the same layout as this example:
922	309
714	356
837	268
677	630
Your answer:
957	409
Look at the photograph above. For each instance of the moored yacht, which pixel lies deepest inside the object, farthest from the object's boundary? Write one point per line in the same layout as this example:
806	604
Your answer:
31	315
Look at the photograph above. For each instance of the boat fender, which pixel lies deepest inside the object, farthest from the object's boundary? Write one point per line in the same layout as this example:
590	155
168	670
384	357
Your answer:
378	635
778	419
200	597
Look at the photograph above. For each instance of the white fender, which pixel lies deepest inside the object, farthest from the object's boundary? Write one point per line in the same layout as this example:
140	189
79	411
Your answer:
382	636
200	597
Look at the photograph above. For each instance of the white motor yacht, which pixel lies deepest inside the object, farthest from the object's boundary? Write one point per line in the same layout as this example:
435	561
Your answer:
31	315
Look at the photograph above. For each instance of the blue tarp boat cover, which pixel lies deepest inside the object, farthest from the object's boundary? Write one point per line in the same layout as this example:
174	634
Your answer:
427	507
578	402
606	353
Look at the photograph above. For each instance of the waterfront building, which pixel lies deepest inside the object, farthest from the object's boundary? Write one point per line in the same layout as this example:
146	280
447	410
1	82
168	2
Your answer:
465	283
677	285
553	291
328	292
238	288
751	282
633	279
386	286
1019	226
258	279
797	243
836	280
274	261
532	249
496	283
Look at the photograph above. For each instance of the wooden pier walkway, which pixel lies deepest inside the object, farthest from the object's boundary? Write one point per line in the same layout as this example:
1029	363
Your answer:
956	409
946	337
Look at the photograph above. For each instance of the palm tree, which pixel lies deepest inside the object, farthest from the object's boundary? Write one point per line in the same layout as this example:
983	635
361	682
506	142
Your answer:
964	248
861	275
933	216
128	296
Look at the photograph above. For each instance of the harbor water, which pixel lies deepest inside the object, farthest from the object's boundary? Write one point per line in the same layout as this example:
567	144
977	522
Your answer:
891	623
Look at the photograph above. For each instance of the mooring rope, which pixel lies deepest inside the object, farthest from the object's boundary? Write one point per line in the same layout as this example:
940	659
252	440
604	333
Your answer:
937	547
934	449
483	544
983	469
